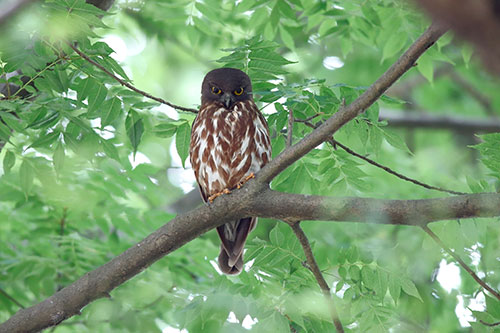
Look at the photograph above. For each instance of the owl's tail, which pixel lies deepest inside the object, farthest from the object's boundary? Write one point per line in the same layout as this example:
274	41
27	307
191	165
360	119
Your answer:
233	236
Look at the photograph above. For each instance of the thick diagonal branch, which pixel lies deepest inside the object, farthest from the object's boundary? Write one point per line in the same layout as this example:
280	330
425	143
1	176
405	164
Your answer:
339	119
249	201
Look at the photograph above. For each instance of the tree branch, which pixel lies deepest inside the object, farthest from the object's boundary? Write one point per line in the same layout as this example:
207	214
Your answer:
428	121
128	85
251	200
331	125
12	299
461	262
311	261
256	199
335	143
489	324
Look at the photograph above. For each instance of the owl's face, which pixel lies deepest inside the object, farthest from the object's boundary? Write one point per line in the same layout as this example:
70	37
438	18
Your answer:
227	86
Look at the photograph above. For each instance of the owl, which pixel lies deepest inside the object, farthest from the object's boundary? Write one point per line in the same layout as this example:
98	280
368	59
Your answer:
229	143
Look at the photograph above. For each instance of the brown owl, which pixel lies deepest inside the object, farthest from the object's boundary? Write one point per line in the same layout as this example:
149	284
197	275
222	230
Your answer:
229	143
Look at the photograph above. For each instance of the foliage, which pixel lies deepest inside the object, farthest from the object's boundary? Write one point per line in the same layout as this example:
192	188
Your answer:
89	165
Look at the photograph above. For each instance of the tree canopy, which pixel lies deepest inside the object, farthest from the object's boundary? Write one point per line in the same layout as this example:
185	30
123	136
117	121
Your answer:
96	105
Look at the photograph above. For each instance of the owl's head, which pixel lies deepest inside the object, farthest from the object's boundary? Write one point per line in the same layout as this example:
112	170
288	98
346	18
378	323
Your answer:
227	86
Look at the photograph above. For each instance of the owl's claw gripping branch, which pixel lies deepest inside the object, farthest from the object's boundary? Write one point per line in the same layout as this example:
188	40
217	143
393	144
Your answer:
247	178
218	194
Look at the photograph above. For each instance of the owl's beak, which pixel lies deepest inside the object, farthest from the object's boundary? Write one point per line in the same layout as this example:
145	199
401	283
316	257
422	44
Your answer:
227	99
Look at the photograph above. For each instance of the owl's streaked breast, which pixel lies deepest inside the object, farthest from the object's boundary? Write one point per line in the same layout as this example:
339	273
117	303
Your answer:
228	145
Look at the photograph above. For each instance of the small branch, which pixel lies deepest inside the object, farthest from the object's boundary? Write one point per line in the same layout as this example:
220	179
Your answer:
289	139
308	118
461	262
335	143
301	236
428	121
62	221
474	92
12	299
128	85
489	324
12	8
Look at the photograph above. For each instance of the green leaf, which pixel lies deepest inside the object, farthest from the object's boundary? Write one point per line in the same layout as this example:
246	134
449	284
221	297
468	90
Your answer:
425	67
395	140
342	272
165	130
493	306
4	132
110	150
355	273
297	179
182	140
8	161
370	14
135	128
58	158
97	94
45	139
394	44
409	287
394	287
380	286
467	51
286	38
110	111
26	176
46	120
368	277
14	123
276	236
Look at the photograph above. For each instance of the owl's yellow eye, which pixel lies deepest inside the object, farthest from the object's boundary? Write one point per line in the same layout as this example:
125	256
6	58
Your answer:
216	90
238	92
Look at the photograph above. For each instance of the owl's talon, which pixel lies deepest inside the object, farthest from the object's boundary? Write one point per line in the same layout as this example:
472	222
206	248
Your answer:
247	178
218	194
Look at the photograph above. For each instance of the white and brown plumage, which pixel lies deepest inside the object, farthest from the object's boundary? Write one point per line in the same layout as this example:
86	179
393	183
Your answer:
229	143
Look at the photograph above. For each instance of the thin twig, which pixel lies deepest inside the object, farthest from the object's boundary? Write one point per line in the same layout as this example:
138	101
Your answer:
289	139
474	92
309	118
335	143
461	262
313	265
128	85
12	299
489	324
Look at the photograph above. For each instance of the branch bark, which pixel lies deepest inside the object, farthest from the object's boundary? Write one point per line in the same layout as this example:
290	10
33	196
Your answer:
251	200
429	121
